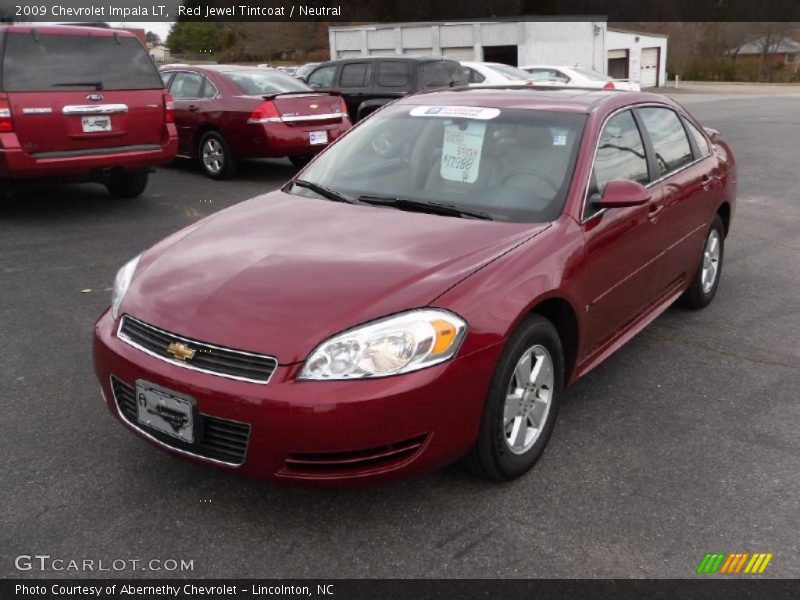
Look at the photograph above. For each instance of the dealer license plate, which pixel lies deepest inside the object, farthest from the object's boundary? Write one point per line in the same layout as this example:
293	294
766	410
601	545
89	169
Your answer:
93	124
318	137
165	412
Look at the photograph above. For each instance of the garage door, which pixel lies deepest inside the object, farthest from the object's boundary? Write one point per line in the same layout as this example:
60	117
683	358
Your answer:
649	68
463	53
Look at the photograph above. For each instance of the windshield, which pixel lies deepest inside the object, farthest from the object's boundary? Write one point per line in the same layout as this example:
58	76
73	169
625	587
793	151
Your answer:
305	69
258	82
514	165
590	74
509	72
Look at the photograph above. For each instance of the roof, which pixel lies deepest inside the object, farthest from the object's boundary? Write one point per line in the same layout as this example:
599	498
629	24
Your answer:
409	57
513	19
785	45
634	32
88	30
566	99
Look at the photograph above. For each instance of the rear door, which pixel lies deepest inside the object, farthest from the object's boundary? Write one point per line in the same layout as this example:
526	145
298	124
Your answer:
686	188
76	92
191	93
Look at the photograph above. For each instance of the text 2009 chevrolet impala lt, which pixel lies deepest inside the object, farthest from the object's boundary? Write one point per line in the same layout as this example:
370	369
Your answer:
424	290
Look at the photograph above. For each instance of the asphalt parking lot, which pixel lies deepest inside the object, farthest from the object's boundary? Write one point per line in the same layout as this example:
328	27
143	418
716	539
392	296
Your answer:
684	442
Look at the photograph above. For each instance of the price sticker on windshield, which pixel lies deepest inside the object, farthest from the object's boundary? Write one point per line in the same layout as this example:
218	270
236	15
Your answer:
461	151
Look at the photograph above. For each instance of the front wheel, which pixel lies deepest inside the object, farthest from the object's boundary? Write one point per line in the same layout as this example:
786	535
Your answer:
215	156
704	285
522	403
127	185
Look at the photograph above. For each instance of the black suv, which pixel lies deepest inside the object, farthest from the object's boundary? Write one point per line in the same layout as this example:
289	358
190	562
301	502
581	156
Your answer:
369	82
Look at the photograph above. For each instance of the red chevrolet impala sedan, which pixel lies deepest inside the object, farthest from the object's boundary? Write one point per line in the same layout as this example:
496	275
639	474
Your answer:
226	113
424	290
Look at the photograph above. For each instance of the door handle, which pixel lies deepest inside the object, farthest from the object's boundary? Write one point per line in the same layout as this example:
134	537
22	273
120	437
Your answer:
193	107
707	181
654	210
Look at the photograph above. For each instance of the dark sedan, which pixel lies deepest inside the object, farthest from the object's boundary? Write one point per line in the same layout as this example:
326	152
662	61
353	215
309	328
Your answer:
423	291
226	113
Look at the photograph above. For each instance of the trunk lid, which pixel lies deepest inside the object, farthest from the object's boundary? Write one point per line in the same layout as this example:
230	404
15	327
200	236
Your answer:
304	108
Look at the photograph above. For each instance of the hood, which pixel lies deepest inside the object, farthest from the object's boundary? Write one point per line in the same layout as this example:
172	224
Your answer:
280	273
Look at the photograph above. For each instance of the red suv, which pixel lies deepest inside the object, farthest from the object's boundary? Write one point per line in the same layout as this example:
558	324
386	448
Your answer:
82	103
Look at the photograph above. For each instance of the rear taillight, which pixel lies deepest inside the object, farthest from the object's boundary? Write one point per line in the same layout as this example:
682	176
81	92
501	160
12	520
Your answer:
5	117
266	112
169	109
609	86
343	108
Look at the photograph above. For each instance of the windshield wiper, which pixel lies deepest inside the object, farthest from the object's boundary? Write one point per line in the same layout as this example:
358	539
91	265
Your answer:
325	192
435	208
98	85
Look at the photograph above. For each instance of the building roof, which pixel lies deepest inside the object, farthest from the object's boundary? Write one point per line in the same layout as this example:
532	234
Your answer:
633	32
783	46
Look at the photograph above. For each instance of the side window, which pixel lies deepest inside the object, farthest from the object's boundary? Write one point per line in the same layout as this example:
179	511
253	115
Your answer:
699	139
620	154
209	89
322	77
186	86
669	139
166	78
473	76
393	73
355	75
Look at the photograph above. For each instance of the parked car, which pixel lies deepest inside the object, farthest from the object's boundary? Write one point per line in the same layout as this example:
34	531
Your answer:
227	113
577	77
302	71
488	73
367	83
80	103
424	290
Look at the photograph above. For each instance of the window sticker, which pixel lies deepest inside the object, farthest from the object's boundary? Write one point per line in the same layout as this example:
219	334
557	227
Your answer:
461	151
464	112
560	137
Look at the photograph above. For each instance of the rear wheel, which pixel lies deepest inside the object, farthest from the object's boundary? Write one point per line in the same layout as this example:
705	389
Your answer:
215	156
704	285
127	185
522	404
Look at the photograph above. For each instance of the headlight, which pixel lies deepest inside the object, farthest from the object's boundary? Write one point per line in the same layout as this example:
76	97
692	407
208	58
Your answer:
121	283
398	344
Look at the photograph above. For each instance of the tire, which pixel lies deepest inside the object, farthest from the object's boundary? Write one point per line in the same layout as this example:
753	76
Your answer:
128	185
215	156
498	454
300	161
706	280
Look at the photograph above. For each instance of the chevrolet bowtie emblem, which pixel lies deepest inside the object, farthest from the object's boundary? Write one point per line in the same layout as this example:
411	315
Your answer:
181	351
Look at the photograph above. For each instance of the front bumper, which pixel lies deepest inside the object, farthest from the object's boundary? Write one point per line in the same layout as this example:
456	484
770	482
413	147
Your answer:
320	432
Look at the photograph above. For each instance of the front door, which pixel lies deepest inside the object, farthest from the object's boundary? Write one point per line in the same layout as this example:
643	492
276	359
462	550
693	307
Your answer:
622	244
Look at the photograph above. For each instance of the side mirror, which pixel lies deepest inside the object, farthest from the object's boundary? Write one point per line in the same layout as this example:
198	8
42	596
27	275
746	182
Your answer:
620	193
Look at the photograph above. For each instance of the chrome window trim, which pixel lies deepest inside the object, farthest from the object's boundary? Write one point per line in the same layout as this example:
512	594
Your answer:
94	109
185	365
178	72
584	220
158	442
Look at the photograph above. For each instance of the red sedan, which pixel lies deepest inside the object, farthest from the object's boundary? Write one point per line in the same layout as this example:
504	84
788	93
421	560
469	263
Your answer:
424	290
227	113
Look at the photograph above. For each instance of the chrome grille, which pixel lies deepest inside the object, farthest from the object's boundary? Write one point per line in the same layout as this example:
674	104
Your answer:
207	358
220	439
